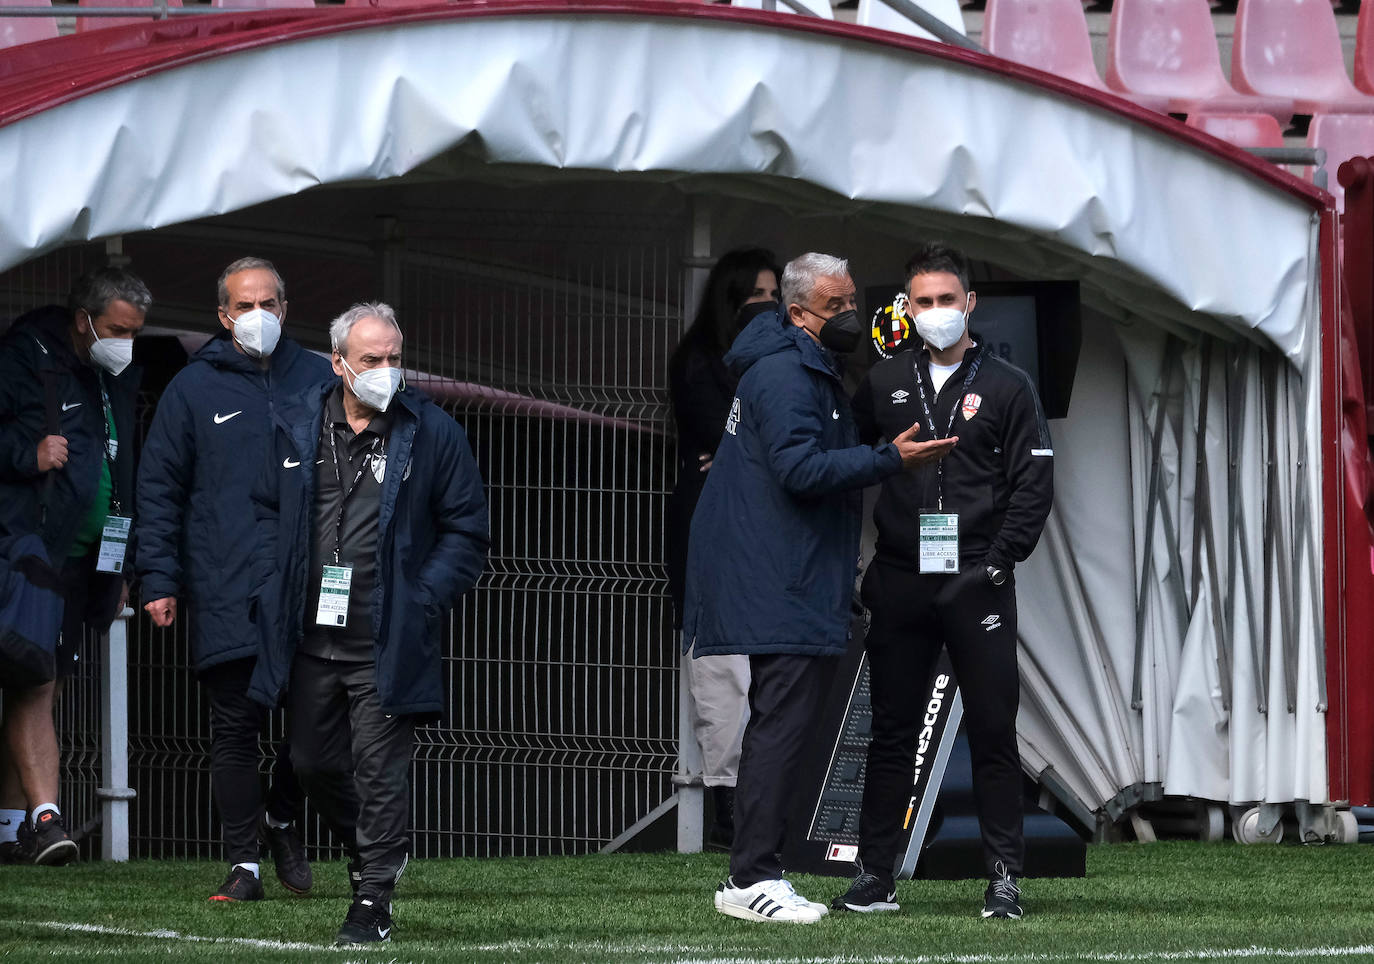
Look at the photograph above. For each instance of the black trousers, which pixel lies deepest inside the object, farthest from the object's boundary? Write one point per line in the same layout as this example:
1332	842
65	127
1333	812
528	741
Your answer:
913	615
354	761
235	725
785	692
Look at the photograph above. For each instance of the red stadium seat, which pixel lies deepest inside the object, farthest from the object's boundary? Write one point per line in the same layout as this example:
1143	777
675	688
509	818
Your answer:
96	23
20	30
261	4
1051	35
1242	130
1292	48
389	3
1364	49
1167	48
1342	136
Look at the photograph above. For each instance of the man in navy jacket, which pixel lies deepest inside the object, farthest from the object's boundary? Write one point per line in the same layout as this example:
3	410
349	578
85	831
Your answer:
69	484
371	522
773	553
195	540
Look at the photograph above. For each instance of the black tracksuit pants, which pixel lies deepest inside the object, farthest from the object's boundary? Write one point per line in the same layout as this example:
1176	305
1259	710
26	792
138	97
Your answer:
913	615
235	725
784	693
354	761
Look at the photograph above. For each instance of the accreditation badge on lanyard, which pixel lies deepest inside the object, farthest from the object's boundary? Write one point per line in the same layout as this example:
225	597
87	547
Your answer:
334	587
114	540
939	542
938	529
336	581
114	537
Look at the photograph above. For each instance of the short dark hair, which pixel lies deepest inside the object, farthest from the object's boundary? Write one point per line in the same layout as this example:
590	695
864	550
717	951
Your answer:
94	290
936	256
247	264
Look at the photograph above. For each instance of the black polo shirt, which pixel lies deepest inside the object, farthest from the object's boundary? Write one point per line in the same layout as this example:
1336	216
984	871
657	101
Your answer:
347	513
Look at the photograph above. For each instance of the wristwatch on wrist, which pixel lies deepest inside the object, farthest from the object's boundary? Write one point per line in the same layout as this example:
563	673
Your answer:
996	576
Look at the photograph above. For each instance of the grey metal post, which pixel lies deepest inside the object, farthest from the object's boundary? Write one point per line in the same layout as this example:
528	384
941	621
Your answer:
114	791
691	796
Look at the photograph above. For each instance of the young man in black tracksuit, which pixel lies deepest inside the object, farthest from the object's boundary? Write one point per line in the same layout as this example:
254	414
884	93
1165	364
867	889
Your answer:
925	590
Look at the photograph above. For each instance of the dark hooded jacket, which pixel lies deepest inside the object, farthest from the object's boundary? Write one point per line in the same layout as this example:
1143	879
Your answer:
431	547
775	538
37	342
202	456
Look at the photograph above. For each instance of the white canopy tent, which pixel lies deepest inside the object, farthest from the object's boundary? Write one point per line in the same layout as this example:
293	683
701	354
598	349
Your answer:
1172	617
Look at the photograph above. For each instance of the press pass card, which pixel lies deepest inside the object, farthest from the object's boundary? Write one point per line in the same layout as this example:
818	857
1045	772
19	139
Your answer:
114	539
940	542
334	583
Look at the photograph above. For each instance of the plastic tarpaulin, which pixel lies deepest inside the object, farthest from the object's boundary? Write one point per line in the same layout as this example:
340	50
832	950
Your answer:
1149	627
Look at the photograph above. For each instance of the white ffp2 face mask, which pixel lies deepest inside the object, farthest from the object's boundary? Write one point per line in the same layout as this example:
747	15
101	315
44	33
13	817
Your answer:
941	327
374	387
111	354
257	332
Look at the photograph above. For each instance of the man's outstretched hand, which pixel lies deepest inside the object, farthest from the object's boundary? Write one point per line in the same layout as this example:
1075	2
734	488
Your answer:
916	453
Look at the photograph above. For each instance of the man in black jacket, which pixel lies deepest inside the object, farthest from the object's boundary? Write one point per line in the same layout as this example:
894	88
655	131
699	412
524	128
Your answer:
195	540
949	536
371	522
67	396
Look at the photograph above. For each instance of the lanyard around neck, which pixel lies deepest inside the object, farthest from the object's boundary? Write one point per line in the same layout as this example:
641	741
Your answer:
345	492
930	417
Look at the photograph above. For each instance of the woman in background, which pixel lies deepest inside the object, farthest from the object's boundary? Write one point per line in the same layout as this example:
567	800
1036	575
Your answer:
742	283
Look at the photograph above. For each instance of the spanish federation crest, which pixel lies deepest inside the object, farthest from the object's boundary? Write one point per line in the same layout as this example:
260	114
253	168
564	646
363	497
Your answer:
971	405
891	327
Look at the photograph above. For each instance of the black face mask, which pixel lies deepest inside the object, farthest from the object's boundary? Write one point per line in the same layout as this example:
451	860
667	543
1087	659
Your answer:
841	332
749	312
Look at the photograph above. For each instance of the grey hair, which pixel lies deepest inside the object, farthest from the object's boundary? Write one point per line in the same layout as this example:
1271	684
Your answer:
341	326
247	264
93	291
800	275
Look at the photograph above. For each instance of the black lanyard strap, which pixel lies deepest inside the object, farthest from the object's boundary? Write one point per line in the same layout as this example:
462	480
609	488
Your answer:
352	487
930	418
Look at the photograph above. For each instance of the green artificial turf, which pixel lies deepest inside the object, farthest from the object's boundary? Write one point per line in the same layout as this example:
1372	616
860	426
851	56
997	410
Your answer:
1156	902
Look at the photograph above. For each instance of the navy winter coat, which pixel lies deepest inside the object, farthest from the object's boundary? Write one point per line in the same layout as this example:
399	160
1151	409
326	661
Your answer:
38	341
430	550
200	460
775	538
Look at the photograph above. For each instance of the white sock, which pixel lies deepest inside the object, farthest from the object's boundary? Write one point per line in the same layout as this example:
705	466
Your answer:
9	824
39	810
275	824
253	868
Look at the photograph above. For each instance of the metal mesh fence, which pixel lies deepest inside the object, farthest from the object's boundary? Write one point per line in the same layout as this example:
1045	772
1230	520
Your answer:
547	337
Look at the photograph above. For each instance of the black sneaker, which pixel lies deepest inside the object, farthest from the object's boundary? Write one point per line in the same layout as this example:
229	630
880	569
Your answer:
1003	896
368	922
867	894
288	857
47	840
14	852
241	884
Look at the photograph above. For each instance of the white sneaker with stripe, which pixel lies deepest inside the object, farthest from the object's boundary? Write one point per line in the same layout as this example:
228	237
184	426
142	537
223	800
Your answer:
769	901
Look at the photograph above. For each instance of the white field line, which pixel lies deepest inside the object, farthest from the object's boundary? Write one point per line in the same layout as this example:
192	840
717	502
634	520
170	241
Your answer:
169	935
695	953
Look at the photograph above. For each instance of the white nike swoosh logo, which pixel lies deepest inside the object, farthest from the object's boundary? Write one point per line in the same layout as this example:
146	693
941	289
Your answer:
221	419
68	406
288	464
383	933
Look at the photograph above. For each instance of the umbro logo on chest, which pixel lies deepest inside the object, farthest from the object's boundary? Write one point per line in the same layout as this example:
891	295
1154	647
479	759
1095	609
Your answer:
900	396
